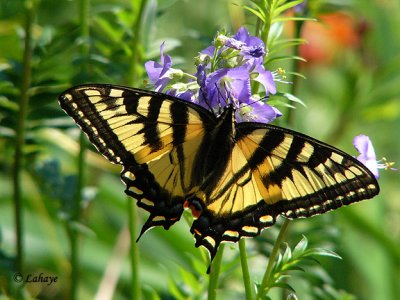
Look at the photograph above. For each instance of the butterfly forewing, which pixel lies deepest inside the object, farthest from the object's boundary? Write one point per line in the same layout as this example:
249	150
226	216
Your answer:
236	178
154	137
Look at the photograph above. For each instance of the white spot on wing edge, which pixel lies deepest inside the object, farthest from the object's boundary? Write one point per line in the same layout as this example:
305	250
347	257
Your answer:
135	190
337	158
68	97
147	202
250	229
129	175
158	218
114	92
266	219
91	92
231	233
210	240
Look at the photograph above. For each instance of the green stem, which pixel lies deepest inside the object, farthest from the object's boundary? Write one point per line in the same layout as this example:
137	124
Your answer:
214	274
296	65
262	30
134	251
132	211
266	282
20	133
135	58
245	269
73	234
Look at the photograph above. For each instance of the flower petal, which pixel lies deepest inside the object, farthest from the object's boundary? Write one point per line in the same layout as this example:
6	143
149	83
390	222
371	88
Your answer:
156	71
257	111
367	155
153	70
266	79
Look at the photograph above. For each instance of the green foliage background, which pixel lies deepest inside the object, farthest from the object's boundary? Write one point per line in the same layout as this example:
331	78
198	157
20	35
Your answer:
358	92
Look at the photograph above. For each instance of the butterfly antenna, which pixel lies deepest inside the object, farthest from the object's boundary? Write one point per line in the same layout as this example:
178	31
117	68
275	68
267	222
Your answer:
203	93
255	101
221	96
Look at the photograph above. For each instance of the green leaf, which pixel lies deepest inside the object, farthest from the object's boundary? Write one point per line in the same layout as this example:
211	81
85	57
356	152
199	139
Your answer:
285	7
323	252
174	289
287	96
277	46
297	74
150	293
258	14
8	104
83	229
287	255
283	285
293	98
284	57
300	247
295	268
286	19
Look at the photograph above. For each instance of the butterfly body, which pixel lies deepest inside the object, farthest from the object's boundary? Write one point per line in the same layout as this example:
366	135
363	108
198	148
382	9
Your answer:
237	178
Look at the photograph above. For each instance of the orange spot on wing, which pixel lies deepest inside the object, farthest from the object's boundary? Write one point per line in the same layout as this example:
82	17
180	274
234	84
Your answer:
195	212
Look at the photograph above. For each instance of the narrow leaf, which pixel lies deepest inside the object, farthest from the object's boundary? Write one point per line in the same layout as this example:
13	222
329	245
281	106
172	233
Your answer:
283	285
286	19
300	247
323	252
255	12
286	6
287	255
293	98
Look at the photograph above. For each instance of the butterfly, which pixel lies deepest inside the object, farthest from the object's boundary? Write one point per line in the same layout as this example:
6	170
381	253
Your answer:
236	178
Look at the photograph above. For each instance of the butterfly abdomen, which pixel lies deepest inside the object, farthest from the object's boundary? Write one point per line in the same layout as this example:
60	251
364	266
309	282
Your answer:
215	151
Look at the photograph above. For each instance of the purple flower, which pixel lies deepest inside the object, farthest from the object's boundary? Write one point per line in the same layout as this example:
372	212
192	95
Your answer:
367	153
209	51
201	75
183	93
233	43
253	46
224	75
257	111
225	84
158	73
232	86
300	8
265	78
367	156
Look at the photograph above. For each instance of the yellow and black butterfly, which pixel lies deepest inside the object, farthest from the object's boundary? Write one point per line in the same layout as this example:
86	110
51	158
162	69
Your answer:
237	178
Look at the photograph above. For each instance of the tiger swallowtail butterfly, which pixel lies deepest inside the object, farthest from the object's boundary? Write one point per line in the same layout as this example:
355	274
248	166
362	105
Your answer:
237	178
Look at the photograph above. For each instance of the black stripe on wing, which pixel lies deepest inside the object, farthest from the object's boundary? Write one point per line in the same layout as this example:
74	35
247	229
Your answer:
76	103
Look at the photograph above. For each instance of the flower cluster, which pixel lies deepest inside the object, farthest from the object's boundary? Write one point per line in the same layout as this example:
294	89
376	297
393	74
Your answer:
225	73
